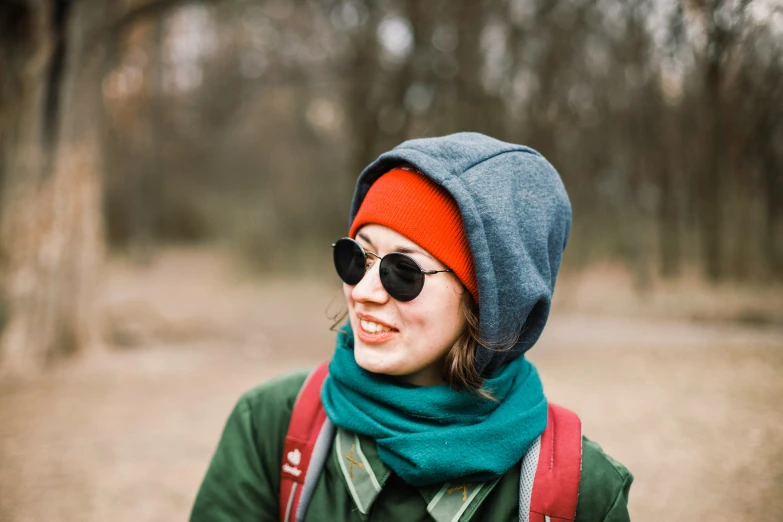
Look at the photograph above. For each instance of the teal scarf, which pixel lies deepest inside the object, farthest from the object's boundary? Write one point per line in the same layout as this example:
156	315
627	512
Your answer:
434	434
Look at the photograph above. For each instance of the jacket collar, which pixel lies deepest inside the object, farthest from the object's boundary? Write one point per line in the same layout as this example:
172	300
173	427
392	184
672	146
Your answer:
365	476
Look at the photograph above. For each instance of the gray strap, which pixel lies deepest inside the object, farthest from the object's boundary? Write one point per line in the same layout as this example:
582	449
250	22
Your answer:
526	478
317	459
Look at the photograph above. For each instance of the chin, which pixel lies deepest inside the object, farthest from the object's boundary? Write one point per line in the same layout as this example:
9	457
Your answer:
374	362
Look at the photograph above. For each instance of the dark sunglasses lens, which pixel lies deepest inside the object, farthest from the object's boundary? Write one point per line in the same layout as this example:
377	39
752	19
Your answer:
401	277
349	261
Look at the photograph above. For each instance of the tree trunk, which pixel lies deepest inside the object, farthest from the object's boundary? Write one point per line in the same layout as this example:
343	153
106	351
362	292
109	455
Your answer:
668	203
360	101
710	182
50	219
470	20
773	191
668	225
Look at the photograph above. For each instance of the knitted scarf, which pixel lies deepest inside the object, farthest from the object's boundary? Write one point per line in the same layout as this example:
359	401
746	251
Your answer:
434	434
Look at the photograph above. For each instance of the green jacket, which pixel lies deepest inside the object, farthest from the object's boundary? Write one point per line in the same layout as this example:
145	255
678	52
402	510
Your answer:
242	483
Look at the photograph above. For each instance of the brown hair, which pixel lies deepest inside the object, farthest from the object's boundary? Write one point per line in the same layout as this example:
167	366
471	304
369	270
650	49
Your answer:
459	368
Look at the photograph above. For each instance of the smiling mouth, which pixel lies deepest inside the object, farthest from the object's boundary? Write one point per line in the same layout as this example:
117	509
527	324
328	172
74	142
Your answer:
373	328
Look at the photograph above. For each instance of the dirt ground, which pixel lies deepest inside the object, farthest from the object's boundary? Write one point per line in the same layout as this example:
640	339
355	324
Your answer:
695	410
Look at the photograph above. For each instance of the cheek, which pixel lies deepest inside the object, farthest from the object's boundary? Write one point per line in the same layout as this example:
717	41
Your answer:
454	322
437	316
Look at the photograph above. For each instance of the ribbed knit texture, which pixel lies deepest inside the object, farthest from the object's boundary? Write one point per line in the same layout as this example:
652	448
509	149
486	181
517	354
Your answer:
434	434
425	213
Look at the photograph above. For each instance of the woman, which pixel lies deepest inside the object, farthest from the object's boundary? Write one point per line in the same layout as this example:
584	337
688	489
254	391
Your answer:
448	269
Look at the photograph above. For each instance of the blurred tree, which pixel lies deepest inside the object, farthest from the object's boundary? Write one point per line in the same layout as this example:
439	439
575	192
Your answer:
361	99
52	54
719	34
50	220
646	108
247	122
667	136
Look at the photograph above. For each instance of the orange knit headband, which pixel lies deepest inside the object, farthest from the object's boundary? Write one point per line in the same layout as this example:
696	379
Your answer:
425	213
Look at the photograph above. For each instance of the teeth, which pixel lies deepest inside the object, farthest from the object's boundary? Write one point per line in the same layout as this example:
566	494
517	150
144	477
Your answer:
371	327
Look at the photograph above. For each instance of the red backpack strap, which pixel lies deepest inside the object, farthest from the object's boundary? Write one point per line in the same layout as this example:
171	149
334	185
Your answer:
305	446
556	484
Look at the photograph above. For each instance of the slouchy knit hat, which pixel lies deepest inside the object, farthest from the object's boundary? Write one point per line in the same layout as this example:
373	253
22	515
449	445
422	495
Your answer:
421	210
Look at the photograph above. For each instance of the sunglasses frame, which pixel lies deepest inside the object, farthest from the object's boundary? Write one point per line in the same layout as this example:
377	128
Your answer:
380	260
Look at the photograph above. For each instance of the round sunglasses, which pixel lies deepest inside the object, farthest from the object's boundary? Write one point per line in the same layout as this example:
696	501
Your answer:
401	276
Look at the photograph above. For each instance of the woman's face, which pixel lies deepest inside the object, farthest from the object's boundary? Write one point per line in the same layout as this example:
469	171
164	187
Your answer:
421	331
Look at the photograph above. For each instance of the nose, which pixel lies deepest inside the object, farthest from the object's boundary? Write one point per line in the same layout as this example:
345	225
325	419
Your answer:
370	289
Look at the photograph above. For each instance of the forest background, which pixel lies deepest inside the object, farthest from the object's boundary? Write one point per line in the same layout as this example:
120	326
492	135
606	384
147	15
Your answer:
172	173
